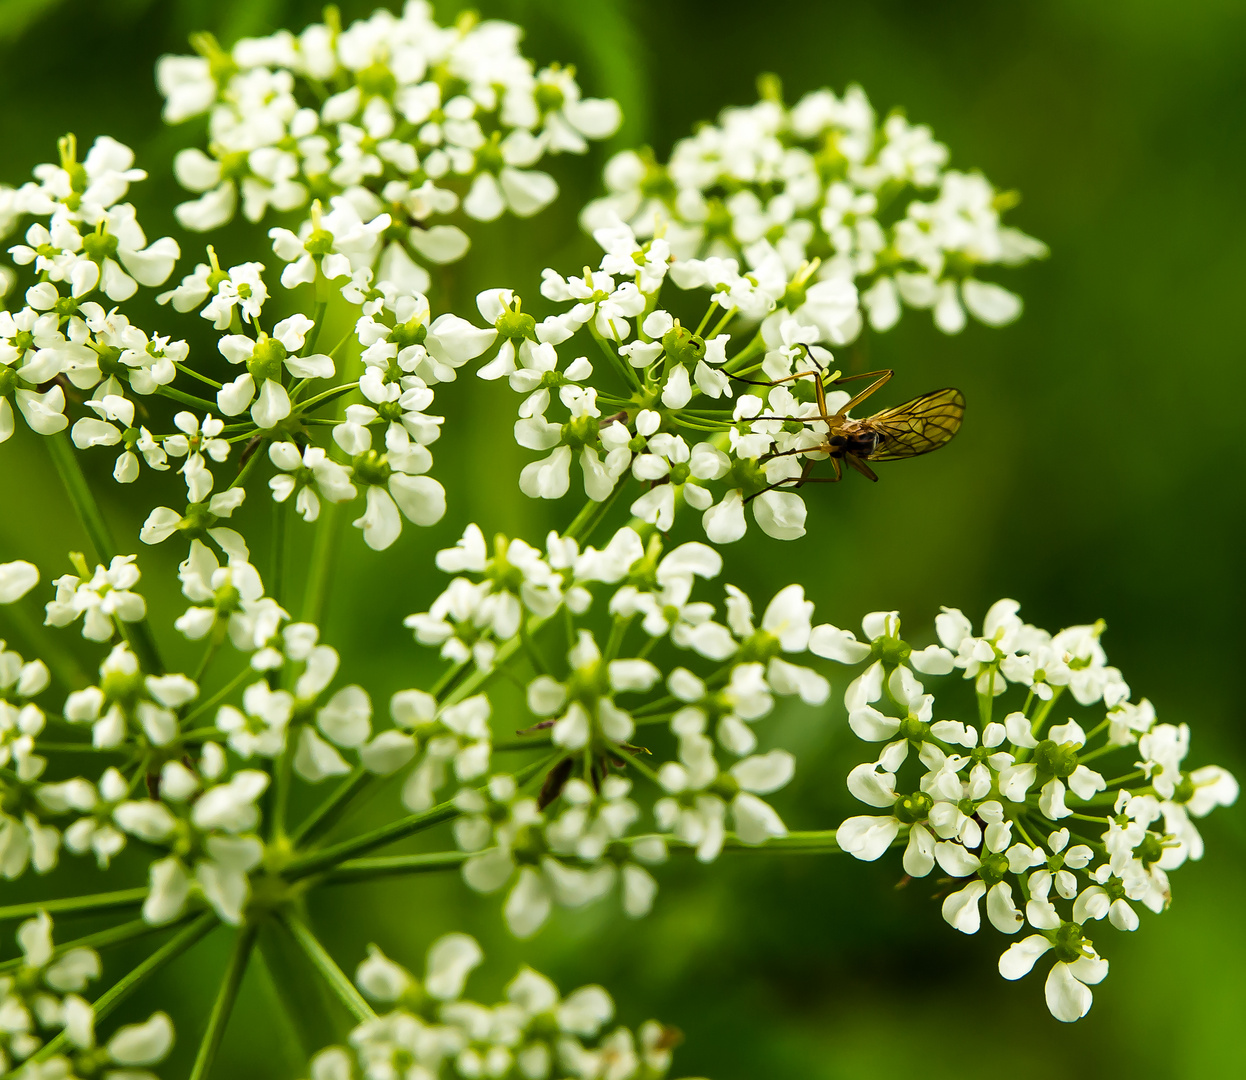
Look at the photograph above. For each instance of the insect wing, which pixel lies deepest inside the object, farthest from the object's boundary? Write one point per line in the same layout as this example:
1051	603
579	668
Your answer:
917	426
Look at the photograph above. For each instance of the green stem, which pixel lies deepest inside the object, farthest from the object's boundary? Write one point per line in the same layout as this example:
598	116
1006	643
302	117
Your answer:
75	748
202	404
120	990
77	905
202	378
324	548
102	939
1110	783
624	370
220	695
705	319
224	1004
446	679
636	763
327	968
318	319
244	474
301	1001
394	865
138	634
747	353
591	515
215	641
1090	755
397	830
283	777
277	568
326	396
531	742
322	818
615	641
529	647
796	843
721	325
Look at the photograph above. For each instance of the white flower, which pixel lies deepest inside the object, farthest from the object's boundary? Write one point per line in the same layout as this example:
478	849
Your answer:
697	817
1068	984
266	360
312	474
16	580
106	596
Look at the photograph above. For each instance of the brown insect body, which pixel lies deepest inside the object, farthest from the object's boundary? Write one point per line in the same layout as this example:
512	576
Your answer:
917	427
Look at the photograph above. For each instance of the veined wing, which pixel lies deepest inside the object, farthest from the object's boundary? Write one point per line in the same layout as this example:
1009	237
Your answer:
917	426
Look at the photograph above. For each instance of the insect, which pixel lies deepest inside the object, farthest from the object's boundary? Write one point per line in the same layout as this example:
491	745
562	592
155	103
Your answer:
903	431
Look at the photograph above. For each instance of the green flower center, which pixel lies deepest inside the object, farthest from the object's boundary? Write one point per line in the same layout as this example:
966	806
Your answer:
911	809
99	246
267	359
412	332
377	80
372	468
1070	942
682	346
1054	759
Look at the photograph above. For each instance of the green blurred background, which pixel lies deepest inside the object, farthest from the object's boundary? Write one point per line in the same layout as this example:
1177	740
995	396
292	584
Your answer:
1098	474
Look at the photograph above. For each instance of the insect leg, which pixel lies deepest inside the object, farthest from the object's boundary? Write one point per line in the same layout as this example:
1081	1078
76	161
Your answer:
775	382
805	478
883	376
861	467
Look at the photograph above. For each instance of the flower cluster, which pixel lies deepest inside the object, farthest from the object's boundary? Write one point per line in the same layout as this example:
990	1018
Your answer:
574	840
988	803
63	346
41	992
88	251
393	118
429	1029
705	415
824	180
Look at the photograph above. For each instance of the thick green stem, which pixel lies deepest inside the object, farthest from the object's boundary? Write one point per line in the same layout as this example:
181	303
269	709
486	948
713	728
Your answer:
138	634
303	1002
384	866
327	968
318	319
224	1004
282	779
317	861
120	990
808	843
531	742
277	565
820	842
77	905
324	548
622	368
322	818
202	404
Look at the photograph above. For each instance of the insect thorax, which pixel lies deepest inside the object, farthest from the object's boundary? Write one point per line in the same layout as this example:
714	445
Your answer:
854	439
